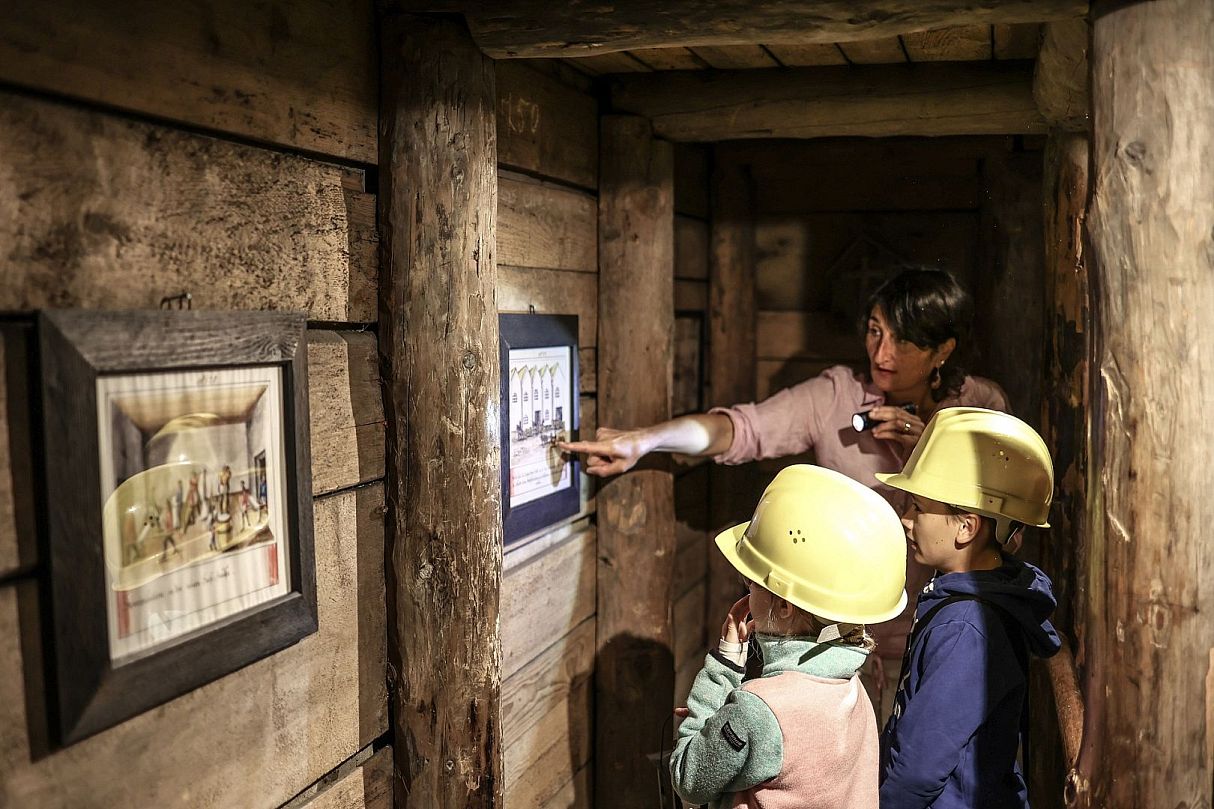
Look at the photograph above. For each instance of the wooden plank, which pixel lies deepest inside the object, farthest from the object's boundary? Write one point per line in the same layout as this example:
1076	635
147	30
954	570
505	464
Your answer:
684	676
634	677
295	715
956	44
689	624
688	362
545	226
1060	83
440	354
886	51
368	786
731	340
561	70
548	704
1147	634
772	376
546	127
735	57
554	292
808	55
690	296
970	98
307	81
588	369
690	248
535	28
347	409
669	58
98	211
691	179
610	63
691	565
577	793
806	336
1017	41
545	598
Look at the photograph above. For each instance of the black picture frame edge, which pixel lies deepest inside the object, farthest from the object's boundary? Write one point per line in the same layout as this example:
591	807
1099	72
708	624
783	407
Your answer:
519	330
83	700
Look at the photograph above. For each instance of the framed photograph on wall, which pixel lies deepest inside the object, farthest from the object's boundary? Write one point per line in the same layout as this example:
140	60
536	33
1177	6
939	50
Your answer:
177	502
539	395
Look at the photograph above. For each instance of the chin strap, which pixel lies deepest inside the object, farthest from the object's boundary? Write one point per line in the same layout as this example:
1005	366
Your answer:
835	631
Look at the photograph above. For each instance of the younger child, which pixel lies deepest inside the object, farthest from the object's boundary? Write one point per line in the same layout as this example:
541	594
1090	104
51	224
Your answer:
823	556
976	477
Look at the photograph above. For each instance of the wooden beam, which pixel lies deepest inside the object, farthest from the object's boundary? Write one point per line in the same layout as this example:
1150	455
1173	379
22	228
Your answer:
439	349
634	679
1060	81
532	28
731	355
972	98
1147	587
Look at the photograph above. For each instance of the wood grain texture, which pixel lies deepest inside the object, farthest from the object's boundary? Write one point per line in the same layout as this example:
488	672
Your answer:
1060	81
601	64
546	127
439	349
552	292
691	171
545	226
634	679
971	98
806	336
884	51
547	716
295	715
735	57
955	44
1148	597
534	28
808	55
731	340
98	211
577	793
545	598
1017	41
690	248
305	80
690	296
369	786
347	409
690	625
668	58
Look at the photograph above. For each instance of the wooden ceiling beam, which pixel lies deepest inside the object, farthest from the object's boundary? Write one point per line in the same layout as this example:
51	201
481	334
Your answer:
509	29
965	98
1060	82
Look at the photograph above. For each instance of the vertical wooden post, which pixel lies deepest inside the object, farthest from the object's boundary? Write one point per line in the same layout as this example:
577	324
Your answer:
439	350
731	356
634	676
1064	416
1150	516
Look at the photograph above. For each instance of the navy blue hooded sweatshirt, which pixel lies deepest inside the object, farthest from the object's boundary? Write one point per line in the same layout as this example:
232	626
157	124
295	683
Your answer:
952	740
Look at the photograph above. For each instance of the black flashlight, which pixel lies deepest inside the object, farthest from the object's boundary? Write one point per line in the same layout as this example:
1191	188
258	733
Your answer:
862	421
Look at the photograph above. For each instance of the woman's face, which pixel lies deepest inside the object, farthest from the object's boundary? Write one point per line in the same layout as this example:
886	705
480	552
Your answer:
899	365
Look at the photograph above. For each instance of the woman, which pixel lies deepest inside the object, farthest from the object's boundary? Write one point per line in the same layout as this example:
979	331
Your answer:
914	325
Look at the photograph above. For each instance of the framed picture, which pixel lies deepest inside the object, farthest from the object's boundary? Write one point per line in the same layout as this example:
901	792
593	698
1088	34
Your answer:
177	503
539	408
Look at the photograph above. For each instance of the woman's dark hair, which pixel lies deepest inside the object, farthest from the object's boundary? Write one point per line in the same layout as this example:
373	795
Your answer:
927	307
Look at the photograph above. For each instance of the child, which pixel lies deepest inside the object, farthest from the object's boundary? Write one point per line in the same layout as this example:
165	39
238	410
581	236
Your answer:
823	556
976	478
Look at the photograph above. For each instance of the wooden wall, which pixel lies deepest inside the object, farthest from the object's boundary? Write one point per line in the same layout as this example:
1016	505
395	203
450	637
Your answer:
548	259
691	189
222	150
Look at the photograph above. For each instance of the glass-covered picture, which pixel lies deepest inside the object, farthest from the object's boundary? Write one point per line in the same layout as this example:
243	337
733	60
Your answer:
192	482
540	401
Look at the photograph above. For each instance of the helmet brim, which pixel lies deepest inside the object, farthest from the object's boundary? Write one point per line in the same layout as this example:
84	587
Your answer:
897	480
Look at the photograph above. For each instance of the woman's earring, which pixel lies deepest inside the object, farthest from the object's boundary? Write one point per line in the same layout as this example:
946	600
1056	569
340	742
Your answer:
934	378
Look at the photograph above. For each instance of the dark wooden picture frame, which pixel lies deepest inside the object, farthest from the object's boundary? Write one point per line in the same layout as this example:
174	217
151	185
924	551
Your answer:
519	331
86	691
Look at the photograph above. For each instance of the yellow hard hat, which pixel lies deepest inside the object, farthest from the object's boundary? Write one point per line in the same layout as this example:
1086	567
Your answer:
982	461
827	544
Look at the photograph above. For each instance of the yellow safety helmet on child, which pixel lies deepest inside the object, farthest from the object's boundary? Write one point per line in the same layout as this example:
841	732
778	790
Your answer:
825	543
982	461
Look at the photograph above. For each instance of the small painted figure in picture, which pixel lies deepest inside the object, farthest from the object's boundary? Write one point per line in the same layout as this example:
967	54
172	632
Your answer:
178	502
214	544
191	502
225	476
167	525
244	504
263	505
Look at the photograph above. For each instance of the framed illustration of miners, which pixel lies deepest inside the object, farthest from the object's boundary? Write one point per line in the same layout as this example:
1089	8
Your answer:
539	395
176	502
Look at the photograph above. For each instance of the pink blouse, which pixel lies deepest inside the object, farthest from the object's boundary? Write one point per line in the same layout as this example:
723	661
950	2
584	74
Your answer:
816	415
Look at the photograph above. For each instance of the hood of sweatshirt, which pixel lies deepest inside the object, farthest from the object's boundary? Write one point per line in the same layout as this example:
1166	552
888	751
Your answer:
1018	587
